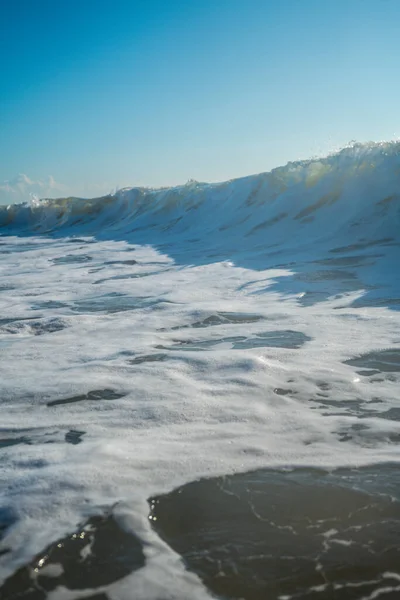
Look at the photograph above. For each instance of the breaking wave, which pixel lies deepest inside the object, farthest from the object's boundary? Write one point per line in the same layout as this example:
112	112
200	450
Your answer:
351	195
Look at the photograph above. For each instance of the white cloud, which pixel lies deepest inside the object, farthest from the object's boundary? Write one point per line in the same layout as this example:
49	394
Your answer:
22	188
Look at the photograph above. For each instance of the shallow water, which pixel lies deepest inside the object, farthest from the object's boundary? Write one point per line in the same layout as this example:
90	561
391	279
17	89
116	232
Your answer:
282	535
157	338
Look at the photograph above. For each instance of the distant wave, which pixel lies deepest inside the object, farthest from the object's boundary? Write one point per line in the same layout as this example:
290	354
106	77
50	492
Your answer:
354	193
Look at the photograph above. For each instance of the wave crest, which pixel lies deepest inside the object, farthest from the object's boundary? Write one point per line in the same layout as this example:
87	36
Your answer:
353	193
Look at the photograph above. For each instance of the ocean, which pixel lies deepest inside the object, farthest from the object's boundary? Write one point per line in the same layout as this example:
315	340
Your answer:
199	388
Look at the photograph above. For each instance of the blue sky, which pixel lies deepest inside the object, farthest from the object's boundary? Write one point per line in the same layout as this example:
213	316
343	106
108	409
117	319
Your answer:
97	94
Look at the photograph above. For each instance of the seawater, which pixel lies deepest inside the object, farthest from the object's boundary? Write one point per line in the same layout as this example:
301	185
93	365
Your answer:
224	334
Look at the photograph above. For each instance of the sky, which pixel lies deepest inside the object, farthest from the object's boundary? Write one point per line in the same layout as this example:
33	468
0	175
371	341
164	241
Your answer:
102	94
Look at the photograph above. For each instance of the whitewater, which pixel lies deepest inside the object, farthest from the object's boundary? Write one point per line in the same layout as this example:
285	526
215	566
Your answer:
153	338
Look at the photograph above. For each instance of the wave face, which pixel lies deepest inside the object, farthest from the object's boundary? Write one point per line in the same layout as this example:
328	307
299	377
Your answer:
353	194
246	332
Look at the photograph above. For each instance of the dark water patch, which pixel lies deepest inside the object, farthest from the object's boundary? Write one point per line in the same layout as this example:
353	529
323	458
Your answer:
269	339
99	553
285	338
383	377
39	327
252	197
226	226
126	353
362	245
130	276
121	262
79	241
247	284
365	436
350	261
47	326
95	597
174	222
19	248
373	300
72	259
7	288
282	391
7	520
387	200
158	263
323	385
15	436
392	414
326	200
221	318
355	407
327	275
266	223
199	345
311	297
386	361
49	304
6	442
369	372
10	320
284	265
106	394
229	317
350	433
77	221
113	303
271	535
74	436
148	358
